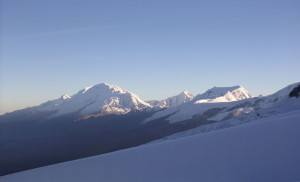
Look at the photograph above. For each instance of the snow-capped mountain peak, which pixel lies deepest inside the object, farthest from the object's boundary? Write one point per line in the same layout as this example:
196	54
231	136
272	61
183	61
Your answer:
103	86
65	97
181	98
216	97
186	93
223	94
101	98
282	95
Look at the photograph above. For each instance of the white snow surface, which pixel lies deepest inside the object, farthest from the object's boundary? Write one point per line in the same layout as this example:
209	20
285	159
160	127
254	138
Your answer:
261	107
223	94
110	99
181	98
228	97
267	150
217	97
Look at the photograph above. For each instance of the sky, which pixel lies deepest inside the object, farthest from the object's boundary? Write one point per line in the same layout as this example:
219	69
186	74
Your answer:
155	48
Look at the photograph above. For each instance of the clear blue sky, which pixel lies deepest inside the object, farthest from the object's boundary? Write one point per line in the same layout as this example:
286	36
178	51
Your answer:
154	48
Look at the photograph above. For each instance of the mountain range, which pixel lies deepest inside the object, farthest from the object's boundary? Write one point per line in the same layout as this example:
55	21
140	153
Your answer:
101	99
105	118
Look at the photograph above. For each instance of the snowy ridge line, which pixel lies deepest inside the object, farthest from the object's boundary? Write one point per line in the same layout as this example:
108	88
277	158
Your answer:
231	102
102	98
181	98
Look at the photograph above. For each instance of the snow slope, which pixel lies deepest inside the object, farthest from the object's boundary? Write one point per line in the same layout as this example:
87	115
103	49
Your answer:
217	97
230	102
223	94
265	150
103	98
181	98
242	115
